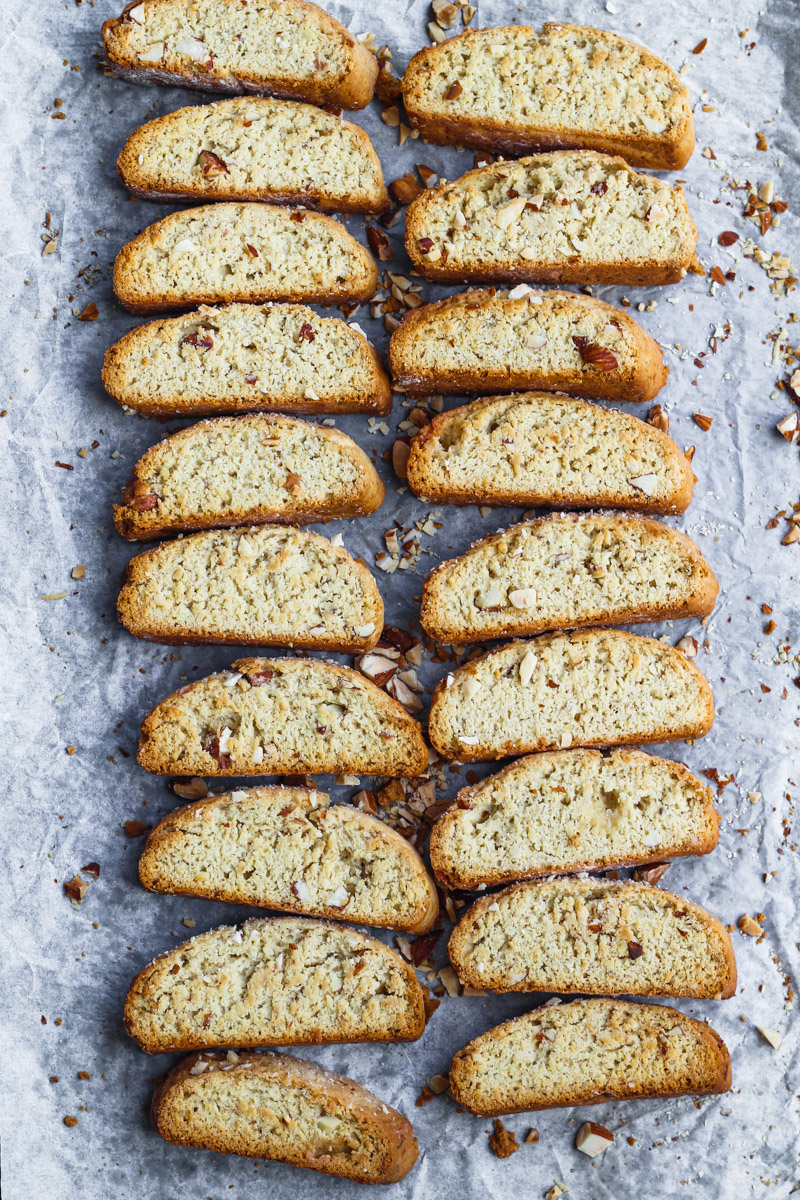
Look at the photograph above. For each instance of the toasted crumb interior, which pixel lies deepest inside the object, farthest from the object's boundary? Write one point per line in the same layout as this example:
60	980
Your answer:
274	980
573	1052
550	812
584	935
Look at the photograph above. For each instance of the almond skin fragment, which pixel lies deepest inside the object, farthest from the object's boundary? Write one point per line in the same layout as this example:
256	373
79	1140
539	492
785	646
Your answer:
454	91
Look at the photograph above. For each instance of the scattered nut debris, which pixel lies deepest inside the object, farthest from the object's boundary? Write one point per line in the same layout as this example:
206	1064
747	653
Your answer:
502	1141
593	1139
749	926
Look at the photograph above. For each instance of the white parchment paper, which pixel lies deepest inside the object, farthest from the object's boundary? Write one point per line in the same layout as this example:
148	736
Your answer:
73	677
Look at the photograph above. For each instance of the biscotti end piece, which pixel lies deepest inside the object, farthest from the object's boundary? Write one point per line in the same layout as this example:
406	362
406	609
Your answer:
246	470
253	148
247	358
515	90
487	341
572	216
285	848
595	936
277	1107
274	981
288	48
572	810
588	1052
267	586
595	687
282	716
567	570
220	253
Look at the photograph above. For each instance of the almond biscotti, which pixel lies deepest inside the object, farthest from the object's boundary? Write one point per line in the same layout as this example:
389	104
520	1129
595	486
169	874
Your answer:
281	716
540	450
246	358
285	848
252	148
573	216
243	471
274	981
220	253
596	687
516	90
487	341
588	1052
566	570
572	810
280	1108
285	48
268	586
595	936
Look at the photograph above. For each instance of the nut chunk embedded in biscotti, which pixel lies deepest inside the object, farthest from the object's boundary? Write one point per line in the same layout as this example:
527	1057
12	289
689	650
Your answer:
285	48
276	716
587	1052
274	981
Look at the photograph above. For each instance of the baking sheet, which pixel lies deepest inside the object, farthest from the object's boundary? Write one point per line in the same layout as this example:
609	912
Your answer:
73	677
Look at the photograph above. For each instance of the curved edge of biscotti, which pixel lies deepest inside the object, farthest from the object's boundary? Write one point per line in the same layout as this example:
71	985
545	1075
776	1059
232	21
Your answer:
170	830
455	633
637	386
718	1080
353	90
712	924
129	609
411	1032
423	445
447	872
400	1151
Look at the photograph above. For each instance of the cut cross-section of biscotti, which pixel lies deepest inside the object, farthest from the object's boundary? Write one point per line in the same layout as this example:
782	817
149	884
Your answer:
281	716
588	1052
246	470
255	149
285	848
572	810
486	341
596	687
564	570
276	1107
274	981
245	358
285	48
572	216
548	451
516	90
595	936
267	586
219	253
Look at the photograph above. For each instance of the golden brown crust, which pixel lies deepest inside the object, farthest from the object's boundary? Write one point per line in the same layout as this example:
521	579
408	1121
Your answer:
353	90
640	384
335	1094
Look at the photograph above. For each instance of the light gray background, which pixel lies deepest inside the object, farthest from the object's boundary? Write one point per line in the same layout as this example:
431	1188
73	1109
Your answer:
72	676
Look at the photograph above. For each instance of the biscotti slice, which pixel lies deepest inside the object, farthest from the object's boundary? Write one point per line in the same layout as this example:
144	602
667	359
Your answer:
268	586
588	1052
573	216
596	936
596	687
281	716
572	810
246	470
252	148
285	848
219	253
487	341
564	570
540	450
516	90
280	1108
245	358
274	47
275	981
